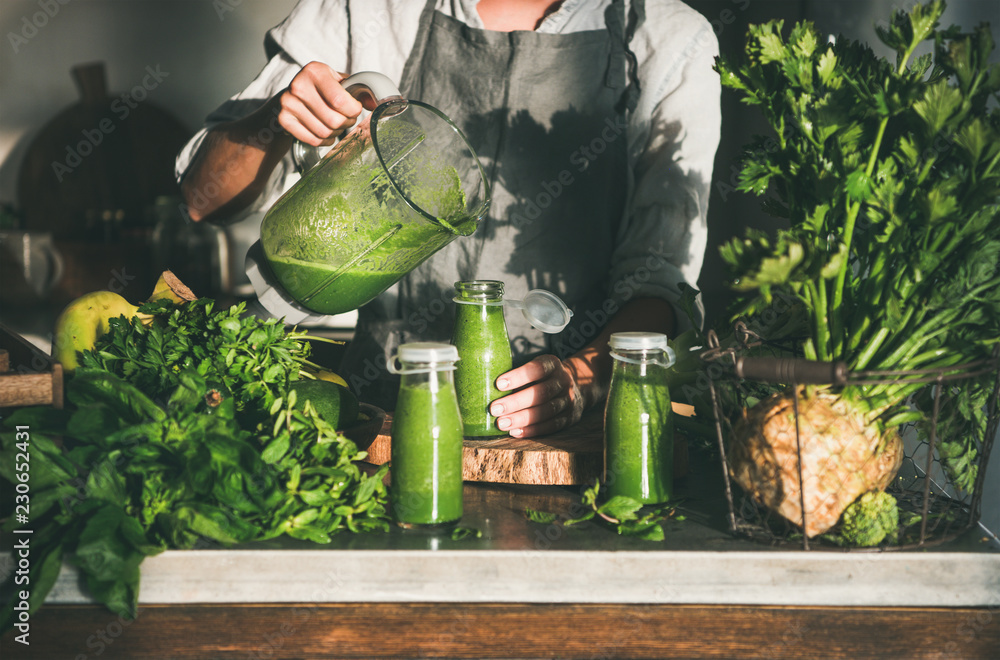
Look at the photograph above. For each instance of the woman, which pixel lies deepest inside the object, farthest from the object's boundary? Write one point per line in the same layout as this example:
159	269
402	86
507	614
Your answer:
596	121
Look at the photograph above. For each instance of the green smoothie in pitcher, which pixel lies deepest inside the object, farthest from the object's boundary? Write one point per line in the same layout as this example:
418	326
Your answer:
320	287
426	466
379	254
340	241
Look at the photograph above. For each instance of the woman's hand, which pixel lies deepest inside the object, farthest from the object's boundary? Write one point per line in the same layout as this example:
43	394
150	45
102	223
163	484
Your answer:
315	107
547	398
550	394
234	162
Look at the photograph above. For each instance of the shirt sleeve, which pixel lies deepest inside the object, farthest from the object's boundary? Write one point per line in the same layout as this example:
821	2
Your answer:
274	77
674	134
310	32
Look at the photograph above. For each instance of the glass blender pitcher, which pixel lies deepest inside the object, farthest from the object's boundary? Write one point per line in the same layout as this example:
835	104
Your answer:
399	187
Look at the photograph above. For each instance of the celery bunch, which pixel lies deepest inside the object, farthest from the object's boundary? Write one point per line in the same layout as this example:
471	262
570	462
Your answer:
888	173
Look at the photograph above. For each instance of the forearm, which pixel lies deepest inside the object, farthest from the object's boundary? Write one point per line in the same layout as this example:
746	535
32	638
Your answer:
591	366
234	163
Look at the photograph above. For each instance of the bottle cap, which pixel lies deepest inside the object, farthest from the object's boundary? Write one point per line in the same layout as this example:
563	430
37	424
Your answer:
427	351
638	341
642	341
544	310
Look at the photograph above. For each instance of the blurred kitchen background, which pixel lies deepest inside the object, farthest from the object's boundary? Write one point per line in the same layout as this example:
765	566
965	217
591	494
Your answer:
86	205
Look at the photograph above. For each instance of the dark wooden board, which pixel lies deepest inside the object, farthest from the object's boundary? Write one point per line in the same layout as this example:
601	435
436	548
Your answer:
477	630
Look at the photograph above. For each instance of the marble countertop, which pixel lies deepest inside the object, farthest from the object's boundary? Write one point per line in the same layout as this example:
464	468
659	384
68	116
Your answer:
516	560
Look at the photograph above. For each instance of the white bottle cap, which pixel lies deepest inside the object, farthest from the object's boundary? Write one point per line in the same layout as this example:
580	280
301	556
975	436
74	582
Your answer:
543	310
642	341
427	351
638	341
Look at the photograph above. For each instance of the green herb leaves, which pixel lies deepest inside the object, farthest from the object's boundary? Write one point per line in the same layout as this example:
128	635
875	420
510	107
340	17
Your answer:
623	513
542	517
253	359
182	434
889	176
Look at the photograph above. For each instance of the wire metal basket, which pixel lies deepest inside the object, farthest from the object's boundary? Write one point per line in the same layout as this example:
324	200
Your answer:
933	508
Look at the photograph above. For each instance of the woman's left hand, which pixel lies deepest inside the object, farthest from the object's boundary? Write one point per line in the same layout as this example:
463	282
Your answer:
546	398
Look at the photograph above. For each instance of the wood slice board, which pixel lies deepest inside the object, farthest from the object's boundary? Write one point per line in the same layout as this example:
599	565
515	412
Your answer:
571	457
28	377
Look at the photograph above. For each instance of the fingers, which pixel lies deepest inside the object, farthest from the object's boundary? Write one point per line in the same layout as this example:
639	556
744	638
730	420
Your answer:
546	399
552	425
528	397
315	106
540	368
548	417
295	118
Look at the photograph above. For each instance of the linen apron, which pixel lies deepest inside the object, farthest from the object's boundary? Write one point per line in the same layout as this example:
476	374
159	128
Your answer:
545	113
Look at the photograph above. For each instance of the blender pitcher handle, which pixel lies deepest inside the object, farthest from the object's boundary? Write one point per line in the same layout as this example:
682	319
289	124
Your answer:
371	83
378	85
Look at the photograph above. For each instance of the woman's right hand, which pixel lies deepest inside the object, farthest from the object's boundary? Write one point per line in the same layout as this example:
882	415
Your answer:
234	162
315	108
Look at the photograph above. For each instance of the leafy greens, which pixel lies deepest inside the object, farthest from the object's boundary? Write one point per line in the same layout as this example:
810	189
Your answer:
889	176
179	435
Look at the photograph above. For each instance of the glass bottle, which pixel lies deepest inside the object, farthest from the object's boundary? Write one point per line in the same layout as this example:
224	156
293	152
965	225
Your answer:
638	426
426	470
480	335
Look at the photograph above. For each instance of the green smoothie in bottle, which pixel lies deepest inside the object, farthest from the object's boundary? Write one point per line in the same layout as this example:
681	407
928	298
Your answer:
481	338
426	468
638	423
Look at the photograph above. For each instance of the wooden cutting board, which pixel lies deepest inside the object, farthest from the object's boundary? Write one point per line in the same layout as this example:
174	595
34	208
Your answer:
571	457
28	377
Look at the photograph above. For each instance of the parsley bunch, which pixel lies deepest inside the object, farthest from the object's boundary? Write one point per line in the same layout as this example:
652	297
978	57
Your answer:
179	435
253	359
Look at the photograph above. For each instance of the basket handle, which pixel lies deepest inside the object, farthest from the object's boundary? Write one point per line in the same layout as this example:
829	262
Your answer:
791	370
